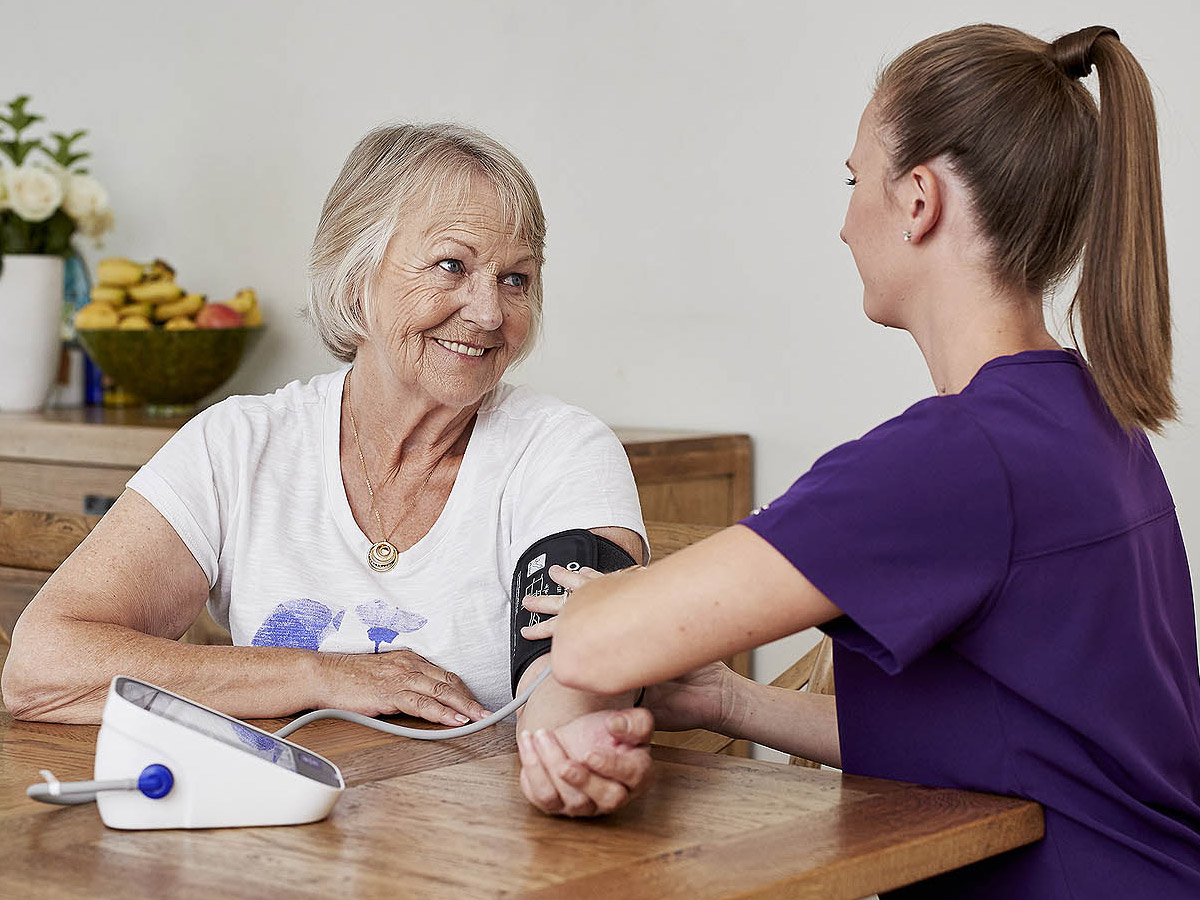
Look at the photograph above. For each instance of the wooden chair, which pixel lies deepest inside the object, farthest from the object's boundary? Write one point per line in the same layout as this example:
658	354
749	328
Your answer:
34	544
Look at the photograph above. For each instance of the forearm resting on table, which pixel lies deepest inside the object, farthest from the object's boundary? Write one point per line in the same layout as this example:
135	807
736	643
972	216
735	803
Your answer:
794	722
59	671
554	704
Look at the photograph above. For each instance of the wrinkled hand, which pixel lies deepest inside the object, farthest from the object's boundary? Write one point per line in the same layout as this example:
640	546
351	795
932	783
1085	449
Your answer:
590	766
552	604
400	682
700	699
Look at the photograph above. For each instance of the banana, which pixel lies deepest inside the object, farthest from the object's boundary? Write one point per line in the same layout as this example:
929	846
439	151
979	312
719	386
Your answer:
156	292
135	323
103	293
116	271
179	323
95	316
184	307
160	270
134	309
253	318
244	301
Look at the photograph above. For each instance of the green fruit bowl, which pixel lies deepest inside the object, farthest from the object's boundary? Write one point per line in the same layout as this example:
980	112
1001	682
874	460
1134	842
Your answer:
170	370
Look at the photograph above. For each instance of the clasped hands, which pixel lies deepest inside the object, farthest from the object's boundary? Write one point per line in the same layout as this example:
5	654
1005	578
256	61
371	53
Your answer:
593	764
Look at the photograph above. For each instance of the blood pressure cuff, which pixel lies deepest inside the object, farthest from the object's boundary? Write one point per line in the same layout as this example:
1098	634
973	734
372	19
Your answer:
573	550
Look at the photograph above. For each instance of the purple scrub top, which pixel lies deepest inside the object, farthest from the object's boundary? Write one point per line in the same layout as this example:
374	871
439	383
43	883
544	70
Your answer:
1018	620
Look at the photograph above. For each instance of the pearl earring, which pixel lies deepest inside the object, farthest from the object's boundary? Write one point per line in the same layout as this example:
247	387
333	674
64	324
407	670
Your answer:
907	236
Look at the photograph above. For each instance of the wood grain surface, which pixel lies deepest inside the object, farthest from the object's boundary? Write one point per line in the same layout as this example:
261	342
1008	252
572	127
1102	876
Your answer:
446	819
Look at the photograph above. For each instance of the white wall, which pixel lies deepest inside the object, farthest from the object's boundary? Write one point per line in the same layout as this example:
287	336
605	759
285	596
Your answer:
689	155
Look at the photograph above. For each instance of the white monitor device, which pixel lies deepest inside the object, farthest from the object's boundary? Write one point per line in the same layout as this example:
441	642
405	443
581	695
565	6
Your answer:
226	773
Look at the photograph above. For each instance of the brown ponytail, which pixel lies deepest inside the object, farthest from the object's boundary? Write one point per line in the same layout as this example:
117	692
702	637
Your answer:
1053	180
1123	303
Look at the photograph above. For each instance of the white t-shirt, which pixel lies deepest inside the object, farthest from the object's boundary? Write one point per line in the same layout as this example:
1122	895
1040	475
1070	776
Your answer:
253	486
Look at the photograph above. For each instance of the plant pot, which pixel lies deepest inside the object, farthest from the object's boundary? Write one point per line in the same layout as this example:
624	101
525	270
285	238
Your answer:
31	304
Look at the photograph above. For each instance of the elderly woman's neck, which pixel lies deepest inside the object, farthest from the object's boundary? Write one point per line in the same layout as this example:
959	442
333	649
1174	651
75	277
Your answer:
397	424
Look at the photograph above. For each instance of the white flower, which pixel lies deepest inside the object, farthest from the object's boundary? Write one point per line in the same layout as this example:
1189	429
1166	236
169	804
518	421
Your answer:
96	224
85	197
34	194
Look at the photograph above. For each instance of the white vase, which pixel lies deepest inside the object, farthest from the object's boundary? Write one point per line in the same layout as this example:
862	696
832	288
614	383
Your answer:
31	309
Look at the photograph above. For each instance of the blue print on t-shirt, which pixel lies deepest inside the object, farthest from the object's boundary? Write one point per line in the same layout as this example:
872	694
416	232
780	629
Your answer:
301	623
386	622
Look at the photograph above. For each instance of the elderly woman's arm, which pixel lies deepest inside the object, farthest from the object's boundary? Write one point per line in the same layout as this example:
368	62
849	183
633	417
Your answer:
121	601
561	726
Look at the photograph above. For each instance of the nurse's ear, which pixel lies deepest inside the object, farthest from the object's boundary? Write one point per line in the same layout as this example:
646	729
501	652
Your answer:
920	196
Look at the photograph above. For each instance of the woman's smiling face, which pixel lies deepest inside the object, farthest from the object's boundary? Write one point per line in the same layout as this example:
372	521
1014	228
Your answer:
451	303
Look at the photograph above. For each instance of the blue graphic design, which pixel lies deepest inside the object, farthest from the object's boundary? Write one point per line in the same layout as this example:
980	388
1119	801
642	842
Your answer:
301	623
385	622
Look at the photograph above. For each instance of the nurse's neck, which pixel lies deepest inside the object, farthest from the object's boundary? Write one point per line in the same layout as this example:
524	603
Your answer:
961	330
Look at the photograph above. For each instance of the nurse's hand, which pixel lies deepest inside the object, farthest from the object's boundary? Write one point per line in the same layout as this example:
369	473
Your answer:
398	682
590	766
703	698
551	604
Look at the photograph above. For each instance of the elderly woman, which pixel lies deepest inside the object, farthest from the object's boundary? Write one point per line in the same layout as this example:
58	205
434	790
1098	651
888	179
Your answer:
358	533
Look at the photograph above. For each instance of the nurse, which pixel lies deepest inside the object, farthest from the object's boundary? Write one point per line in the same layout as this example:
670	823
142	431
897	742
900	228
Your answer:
1000	565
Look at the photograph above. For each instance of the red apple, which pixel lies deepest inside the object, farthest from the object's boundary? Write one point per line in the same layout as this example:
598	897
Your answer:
218	315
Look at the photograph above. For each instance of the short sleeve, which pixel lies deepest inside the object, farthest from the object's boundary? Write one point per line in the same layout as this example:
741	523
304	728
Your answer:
190	480
907	531
575	474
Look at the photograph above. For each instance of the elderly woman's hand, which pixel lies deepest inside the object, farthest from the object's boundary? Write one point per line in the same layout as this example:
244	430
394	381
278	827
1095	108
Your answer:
592	765
399	682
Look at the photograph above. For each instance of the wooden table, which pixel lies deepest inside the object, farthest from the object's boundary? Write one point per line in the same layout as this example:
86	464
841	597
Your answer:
447	820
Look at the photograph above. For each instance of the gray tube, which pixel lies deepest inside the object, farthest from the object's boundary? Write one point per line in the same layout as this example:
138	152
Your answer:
420	734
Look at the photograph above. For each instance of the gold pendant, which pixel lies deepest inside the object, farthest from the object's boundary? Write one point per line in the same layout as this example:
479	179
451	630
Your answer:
382	556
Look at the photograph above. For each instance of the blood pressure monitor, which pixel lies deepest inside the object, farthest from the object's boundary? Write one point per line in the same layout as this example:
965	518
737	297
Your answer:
220	771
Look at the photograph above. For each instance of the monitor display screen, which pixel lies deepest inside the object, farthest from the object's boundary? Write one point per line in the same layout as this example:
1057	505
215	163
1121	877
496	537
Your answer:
227	730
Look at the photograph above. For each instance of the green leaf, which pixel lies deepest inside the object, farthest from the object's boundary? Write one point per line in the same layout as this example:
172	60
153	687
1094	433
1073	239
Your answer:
14	233
67	140
19	120
17	150
63	151
57	232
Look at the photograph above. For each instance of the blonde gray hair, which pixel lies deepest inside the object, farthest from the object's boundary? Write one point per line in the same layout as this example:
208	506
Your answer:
384	177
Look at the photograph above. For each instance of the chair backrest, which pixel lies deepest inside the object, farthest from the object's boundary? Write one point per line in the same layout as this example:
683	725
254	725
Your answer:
667	537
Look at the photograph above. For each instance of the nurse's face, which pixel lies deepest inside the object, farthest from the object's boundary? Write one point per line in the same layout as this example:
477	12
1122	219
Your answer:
874	226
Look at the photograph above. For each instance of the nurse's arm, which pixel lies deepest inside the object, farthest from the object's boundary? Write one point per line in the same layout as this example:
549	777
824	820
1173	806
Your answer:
730	592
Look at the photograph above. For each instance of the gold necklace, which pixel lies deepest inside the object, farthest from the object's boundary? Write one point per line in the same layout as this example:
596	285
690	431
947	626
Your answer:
383	555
